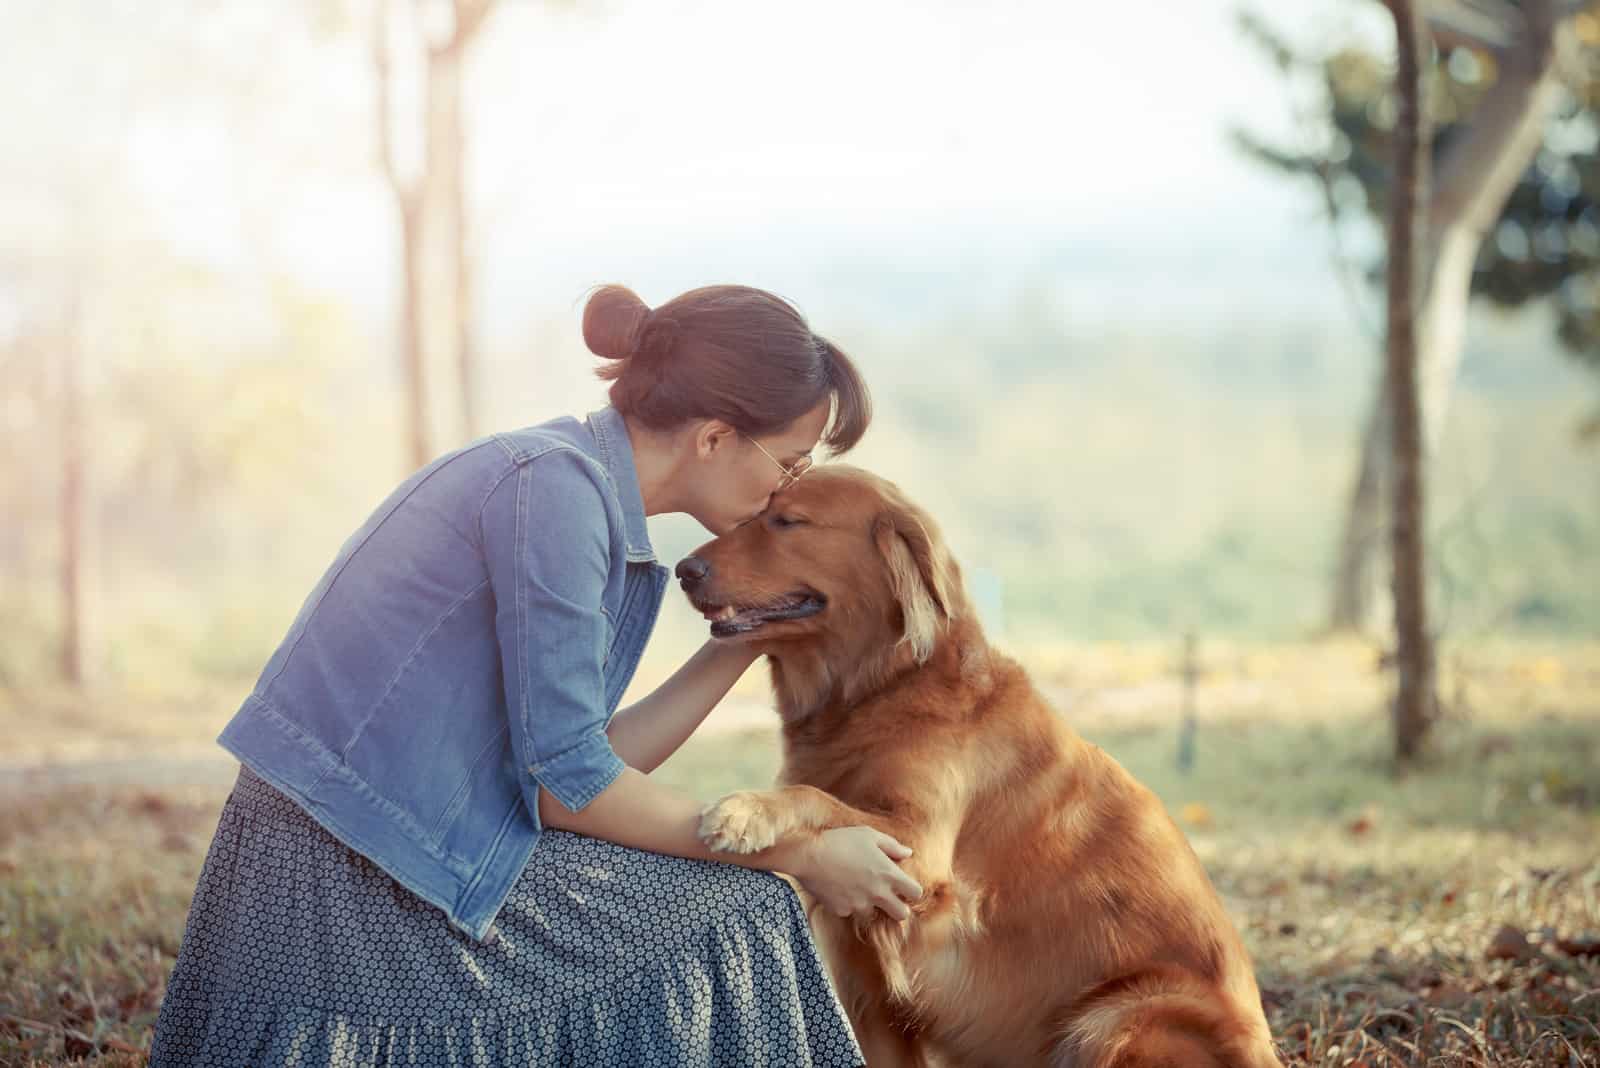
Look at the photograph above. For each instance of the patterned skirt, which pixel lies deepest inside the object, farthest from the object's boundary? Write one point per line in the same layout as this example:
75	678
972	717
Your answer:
300	951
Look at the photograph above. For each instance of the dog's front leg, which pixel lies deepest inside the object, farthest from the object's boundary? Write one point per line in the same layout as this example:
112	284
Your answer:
876	946
752	820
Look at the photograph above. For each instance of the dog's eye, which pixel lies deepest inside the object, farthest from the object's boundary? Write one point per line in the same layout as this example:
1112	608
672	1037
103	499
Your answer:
783	522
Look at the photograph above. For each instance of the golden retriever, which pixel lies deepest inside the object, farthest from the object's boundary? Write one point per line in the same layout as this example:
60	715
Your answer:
1065	921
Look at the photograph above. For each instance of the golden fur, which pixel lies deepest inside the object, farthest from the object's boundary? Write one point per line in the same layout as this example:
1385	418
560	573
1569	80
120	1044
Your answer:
1065	920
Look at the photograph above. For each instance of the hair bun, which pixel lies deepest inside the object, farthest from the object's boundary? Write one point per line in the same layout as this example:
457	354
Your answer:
612	321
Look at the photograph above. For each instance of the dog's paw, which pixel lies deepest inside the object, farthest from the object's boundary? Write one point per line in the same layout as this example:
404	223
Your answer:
739	823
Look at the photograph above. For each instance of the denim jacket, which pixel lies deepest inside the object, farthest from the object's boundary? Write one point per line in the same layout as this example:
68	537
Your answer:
468	644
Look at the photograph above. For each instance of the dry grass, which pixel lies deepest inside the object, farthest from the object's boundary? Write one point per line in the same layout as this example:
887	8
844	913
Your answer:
1434	919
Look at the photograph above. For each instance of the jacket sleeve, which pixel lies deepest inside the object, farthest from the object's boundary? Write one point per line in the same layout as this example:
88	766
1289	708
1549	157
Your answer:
546	542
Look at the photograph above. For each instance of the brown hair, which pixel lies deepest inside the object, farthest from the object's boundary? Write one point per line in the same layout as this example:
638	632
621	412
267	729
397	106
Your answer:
732	353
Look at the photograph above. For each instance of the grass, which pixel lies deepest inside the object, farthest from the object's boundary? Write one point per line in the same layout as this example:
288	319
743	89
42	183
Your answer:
1444	917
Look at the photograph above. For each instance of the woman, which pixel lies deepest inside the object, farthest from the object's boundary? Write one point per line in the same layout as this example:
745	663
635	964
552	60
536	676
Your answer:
443	848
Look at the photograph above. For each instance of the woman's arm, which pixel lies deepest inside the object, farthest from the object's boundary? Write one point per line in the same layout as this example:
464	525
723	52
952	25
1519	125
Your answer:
651	729
852	870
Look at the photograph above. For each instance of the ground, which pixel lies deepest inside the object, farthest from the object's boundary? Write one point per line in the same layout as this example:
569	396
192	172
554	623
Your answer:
1448	916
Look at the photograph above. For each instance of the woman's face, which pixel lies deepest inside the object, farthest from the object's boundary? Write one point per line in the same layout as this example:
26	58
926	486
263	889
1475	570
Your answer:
732	480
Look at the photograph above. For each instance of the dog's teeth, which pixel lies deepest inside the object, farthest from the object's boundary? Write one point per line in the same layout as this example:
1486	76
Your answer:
728	612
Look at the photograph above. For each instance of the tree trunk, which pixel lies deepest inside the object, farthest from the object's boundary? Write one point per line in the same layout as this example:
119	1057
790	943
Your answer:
410	325
1475	178
1356	579
447	155
1414	696
445	75
409	203
72	495
436	303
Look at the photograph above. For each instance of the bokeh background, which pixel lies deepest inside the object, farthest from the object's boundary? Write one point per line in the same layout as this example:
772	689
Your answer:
1110	272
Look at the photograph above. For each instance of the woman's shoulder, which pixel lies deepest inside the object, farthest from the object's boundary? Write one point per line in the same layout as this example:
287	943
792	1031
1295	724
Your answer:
557	461
562	432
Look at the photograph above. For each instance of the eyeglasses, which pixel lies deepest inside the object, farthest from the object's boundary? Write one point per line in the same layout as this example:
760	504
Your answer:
792	473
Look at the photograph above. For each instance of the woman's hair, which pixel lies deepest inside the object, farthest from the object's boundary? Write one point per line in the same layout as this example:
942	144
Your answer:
732	353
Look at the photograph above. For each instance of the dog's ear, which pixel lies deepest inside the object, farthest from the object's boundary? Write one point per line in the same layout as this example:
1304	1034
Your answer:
918	574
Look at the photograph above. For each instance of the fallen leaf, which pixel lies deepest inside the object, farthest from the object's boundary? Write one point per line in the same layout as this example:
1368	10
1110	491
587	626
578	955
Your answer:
1196	814
1366	821
1584	945
1509	943
150	804
77	1044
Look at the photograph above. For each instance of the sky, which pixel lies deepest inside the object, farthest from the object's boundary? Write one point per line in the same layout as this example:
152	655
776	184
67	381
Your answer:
684	139
917	137
822	151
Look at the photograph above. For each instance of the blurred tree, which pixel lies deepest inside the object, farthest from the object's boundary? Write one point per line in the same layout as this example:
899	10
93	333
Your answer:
138	355
431	206
1414	696
1507	88
445	59
72	506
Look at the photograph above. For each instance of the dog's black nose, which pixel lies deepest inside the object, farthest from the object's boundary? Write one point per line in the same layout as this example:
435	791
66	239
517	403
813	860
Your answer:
692	569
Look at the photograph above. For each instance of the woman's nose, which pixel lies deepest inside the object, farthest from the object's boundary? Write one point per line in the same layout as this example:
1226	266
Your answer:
692	570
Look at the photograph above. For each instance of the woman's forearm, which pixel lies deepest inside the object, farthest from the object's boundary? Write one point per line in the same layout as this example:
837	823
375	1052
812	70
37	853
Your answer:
852	871
637	811
651	729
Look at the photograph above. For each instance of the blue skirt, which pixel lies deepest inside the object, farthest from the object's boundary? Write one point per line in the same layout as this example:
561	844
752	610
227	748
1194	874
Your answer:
300	951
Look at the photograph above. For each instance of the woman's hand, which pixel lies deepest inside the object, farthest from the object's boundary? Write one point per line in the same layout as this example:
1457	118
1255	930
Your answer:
853	871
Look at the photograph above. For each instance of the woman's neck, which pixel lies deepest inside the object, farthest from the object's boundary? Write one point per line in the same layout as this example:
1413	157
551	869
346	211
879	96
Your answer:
655	463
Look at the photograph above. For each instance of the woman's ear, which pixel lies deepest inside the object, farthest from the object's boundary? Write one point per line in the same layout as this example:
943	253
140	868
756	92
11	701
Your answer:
711	435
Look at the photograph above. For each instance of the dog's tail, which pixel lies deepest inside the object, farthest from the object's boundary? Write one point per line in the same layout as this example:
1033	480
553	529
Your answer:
1164	1019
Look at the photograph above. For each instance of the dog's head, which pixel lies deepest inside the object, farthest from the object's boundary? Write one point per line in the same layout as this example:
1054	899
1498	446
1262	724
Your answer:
841	560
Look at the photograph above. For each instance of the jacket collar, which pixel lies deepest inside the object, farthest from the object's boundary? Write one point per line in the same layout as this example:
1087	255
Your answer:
616	453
